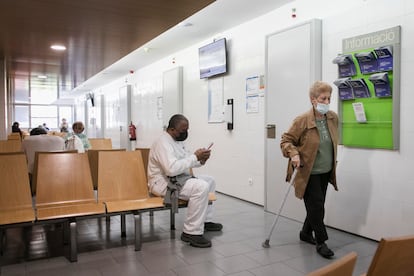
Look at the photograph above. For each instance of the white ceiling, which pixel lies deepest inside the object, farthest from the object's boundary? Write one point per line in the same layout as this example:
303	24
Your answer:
217	17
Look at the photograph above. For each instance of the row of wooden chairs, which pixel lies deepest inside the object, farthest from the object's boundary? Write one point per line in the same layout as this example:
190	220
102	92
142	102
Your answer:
393	257
65	191
12	144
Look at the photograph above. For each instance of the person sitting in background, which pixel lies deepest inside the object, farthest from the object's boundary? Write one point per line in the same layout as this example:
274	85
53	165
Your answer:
64	126
16	129
45	127
78	129
40	141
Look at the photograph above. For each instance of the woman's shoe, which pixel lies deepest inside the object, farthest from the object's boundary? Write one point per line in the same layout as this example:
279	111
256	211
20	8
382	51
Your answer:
324	251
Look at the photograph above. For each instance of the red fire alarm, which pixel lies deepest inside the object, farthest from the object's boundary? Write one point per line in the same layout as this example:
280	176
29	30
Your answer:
293	12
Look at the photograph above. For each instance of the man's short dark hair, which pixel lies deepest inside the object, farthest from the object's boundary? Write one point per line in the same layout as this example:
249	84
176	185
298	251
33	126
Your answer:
38	131
175	120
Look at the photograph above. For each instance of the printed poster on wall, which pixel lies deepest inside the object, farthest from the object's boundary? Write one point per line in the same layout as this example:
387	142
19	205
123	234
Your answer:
215	100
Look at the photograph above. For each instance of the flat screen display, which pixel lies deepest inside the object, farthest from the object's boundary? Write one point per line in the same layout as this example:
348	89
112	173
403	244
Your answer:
212	59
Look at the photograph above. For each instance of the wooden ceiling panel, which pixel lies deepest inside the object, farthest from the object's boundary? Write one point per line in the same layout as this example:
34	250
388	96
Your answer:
96	33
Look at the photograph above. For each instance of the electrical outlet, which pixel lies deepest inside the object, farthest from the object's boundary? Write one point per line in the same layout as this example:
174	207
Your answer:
250	180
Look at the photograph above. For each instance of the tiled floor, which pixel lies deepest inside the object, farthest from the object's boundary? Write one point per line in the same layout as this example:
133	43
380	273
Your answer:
237	250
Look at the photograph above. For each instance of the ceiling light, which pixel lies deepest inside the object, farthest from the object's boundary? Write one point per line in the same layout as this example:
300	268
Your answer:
185	24
42	77
58	47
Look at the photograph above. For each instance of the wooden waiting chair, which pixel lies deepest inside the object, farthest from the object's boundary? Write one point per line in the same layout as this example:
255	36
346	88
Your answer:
33	176
93	155
14	136
12	145
65	191
341	267
145	156
15	197
100	143
122	187
394	256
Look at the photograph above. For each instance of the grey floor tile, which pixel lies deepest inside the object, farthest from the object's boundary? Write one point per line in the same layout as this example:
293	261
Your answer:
233	248
237	250
267	256
308	263
242	273
192	255
162	263
236	263
277	269
200	269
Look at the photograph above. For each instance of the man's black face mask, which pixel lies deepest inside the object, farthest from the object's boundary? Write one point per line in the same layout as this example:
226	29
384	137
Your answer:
183	135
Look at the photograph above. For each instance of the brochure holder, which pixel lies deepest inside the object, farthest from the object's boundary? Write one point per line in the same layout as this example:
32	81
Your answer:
360	88
372	119
381	84
385	59
367	62
344	89
346	65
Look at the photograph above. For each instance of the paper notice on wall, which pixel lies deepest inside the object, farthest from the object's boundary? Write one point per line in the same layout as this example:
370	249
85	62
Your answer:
359	112
215	100
252	104
252	86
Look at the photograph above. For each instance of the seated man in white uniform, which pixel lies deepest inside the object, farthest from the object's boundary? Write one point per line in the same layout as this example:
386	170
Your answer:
169	158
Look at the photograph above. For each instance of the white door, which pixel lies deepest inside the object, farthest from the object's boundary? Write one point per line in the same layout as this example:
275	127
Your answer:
111	111
124	116
293	63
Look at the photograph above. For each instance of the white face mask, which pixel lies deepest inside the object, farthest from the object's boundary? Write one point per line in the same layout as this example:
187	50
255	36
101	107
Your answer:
322	108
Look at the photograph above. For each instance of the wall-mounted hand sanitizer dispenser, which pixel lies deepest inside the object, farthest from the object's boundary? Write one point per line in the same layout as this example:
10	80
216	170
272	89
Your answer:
381	84
346	66
367	62
384	57
344	89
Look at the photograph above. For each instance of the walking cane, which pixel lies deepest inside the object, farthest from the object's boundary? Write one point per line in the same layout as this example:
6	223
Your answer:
266	244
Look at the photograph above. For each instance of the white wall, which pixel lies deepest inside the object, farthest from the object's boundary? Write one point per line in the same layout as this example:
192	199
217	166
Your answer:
375	197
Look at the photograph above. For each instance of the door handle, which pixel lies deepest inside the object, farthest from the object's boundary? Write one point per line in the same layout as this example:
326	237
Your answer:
271	131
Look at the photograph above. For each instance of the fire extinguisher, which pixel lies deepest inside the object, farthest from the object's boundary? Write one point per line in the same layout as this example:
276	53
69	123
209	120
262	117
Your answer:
132	132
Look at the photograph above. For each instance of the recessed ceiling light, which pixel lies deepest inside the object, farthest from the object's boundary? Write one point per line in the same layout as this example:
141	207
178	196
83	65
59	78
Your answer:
58	47
185	24
43	77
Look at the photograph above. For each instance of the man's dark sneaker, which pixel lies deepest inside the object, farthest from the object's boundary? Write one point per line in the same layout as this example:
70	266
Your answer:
211	226
324	251
307	237
196	240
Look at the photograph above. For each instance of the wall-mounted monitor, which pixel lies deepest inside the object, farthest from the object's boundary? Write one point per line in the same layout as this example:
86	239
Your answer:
213	59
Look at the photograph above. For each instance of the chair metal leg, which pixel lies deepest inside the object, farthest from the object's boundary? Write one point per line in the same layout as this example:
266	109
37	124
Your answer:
172	219
138	231
123	225
66	234
2	231
73	242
